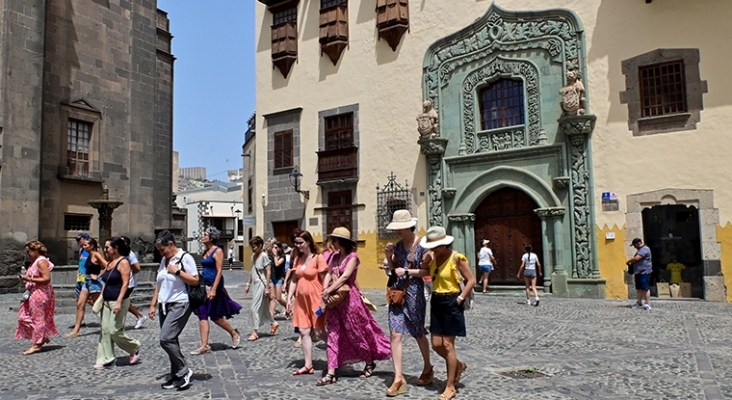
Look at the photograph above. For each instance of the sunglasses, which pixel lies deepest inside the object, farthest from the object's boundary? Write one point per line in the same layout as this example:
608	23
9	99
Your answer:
300	243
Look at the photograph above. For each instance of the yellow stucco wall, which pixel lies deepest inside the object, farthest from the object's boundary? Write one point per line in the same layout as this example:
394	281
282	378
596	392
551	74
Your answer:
612	257
724	235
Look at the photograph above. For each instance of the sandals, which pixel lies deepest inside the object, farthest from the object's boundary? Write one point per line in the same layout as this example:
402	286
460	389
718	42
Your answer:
201	350
461	368
397	388
327	380
304	371
447	396
427	377
274	328
252	337
368	370
33	349
235	339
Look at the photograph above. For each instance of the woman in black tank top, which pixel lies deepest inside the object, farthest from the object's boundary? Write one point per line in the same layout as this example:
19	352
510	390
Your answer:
92	287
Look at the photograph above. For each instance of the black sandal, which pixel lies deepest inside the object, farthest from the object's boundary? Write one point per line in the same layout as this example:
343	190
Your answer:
368	370
327	380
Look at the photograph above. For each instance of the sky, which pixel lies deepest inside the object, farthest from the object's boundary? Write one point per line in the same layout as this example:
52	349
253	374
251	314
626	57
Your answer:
213	81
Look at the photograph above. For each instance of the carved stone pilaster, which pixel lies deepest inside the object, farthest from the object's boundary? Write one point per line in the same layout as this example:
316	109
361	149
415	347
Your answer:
578	128
434	149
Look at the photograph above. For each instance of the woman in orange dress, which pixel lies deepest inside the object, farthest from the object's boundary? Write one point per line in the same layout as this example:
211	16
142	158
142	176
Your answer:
306	289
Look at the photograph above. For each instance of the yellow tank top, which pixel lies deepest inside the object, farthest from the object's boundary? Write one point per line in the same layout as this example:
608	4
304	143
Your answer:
446	278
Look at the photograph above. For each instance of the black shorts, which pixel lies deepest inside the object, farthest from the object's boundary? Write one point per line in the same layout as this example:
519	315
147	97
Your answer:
231	261
446	316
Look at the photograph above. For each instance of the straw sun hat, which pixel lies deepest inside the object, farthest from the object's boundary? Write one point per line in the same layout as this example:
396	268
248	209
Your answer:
436	236
402	219
342	233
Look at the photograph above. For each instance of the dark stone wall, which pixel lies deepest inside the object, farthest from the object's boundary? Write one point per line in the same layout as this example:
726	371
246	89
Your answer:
22	25
163	185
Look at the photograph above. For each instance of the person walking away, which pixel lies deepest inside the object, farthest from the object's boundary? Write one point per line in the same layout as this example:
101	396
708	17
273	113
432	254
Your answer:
231	257
170	298
92	288
278	278
353	333
135	267
115	294
80	279
408	318
36	314
259	283
530	266
219	307
641	266
485	263
447	320
305	296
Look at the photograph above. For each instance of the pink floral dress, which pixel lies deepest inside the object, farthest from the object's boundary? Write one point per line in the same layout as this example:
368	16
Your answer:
35	317
353	333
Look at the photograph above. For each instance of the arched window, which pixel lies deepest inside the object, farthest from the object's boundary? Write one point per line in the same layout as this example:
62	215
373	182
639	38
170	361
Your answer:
502	104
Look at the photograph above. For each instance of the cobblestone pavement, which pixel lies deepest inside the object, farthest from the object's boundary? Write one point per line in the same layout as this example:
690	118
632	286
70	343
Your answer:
590	349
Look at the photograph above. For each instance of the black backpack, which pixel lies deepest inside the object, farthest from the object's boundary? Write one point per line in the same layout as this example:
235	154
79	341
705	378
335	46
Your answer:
196	294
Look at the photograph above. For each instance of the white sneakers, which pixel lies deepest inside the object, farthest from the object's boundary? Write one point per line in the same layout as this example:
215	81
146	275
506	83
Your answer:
140	321
637	306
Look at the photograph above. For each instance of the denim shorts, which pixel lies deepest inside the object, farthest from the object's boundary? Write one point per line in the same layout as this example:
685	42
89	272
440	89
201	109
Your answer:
486	268
278	281
93	286
78	288
529	273
643	281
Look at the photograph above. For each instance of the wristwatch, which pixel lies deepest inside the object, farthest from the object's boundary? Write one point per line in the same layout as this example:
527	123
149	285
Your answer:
178	271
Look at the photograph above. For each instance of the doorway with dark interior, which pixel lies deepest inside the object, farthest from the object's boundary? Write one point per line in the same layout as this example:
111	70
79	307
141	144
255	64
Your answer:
672	232
506	217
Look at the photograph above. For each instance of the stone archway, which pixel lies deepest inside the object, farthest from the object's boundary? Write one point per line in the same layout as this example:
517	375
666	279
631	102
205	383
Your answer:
703	200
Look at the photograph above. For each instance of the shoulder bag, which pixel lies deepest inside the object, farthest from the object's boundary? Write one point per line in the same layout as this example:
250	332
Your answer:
99	303
470	300
397	297
342	292
196	294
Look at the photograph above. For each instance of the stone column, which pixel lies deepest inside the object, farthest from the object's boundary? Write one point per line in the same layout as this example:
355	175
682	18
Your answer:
552	247
462	227
434	149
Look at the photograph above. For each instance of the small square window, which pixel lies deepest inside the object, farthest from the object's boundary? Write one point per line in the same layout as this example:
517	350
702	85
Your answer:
663	89
77	222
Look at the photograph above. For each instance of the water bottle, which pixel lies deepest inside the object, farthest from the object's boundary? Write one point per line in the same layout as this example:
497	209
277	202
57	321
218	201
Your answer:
23	271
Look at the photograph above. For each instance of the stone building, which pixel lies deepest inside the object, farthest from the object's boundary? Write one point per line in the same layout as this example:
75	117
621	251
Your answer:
570	129
87	100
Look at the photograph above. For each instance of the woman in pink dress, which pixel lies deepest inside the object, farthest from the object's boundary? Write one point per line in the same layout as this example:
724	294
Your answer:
35	318
353	333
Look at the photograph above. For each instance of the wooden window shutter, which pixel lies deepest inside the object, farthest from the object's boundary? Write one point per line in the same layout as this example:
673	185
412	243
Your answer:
333	28
284	37
392	20
283	154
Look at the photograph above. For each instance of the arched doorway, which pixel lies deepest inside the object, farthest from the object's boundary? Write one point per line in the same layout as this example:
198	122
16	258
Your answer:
506	217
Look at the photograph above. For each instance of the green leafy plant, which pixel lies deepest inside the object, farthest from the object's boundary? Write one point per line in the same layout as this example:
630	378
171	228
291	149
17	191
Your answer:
530	370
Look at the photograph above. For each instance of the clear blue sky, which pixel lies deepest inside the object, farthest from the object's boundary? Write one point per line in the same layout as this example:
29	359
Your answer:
213	42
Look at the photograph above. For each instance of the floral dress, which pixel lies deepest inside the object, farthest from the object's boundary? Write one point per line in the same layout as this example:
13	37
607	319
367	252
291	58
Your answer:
409	318
35	317
353	333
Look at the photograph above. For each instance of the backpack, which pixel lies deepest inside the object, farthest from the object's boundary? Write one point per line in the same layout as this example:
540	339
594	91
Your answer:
196	294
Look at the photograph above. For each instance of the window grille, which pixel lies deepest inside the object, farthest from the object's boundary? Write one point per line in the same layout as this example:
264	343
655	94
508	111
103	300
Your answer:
663	89
77	222
391	198
338	131
502	104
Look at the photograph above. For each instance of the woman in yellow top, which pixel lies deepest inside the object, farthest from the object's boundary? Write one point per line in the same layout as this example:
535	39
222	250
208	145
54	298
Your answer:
447	268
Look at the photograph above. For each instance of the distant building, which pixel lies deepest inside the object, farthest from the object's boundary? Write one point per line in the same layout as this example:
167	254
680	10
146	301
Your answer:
235	175
248	152
87	100
176	171
197	173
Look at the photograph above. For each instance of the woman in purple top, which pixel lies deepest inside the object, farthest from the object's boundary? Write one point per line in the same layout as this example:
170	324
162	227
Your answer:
219	307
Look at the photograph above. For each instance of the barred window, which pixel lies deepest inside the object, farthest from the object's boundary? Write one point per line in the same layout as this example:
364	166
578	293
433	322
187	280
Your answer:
77	222
77	147
502	104
390	198
663	89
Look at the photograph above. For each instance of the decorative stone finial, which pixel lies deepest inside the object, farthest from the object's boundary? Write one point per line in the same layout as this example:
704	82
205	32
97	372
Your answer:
105	192
427	122
573	101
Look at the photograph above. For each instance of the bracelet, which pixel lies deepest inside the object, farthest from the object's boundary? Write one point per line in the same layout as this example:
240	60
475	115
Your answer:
461	298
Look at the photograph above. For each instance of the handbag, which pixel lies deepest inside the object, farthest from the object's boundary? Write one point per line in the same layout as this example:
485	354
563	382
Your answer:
470	300
196	294
340	295
397	297
99	302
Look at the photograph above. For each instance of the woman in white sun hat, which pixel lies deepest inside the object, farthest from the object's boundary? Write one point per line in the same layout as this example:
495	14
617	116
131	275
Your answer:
448	268
407	318
486	263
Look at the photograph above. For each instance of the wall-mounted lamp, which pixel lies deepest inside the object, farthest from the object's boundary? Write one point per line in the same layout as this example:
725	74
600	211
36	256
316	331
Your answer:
295	177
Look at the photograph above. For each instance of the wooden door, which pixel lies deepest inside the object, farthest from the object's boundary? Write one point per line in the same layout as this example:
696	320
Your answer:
506	217
283	230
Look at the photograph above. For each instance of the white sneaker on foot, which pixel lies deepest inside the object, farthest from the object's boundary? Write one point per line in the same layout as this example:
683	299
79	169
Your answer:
646	306
635	305
528	302
140	321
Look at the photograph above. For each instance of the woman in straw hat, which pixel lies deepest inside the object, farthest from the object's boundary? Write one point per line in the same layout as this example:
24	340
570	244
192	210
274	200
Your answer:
448	268
405	258
353	333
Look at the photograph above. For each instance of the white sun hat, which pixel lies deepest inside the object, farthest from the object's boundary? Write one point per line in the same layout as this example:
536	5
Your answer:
436	236
402	219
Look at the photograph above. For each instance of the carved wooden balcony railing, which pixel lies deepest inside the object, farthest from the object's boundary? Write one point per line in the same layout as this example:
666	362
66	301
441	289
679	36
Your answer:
334	31
337	164
392	20
284	46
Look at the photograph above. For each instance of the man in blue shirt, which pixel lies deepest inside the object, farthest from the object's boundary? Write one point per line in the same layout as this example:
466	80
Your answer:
641	267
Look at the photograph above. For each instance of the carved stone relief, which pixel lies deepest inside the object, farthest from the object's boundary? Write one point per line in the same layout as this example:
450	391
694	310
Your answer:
434	149
427	122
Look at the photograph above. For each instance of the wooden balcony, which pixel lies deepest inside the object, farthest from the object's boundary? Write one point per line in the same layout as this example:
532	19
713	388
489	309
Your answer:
337	164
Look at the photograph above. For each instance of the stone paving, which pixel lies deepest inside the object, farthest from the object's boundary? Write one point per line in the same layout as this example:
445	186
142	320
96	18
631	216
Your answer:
590	349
